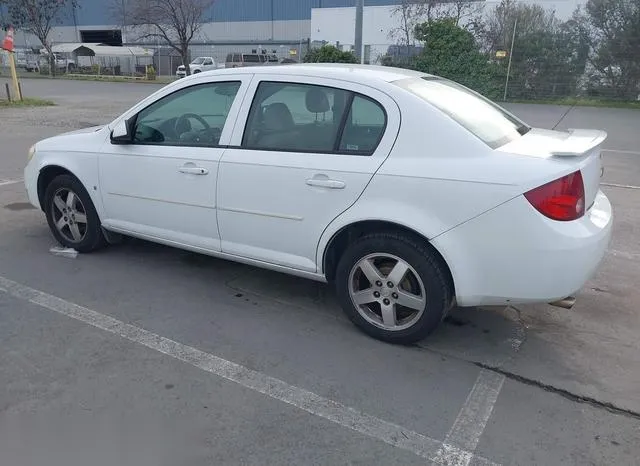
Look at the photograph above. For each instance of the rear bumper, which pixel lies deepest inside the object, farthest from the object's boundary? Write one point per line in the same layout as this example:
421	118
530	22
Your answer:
513	254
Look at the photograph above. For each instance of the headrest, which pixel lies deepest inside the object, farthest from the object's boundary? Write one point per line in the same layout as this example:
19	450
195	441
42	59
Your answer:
277	117
317	101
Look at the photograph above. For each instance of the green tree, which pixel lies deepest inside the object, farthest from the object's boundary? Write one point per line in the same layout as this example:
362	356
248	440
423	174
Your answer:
329	54
549	56
452	52
613	27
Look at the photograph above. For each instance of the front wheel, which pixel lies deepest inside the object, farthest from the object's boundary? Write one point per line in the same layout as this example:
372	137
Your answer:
71	215
393	287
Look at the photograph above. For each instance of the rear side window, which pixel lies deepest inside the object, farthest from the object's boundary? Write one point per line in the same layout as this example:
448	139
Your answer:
486	120
251	58
310	118
295	117
364	127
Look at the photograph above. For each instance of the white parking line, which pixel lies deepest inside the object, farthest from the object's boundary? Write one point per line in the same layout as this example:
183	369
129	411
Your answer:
632	152
8	182
305	400
626	255
472	420
625	186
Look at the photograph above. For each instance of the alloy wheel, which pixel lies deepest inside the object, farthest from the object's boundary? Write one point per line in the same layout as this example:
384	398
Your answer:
387	291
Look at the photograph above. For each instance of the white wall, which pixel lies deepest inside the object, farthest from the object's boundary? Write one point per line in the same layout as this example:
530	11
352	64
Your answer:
257	30
338	24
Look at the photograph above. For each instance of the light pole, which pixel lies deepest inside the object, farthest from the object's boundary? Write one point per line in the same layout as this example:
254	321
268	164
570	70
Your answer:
358	41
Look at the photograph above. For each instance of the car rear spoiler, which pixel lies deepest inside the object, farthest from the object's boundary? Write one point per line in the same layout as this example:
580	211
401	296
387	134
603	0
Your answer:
579	142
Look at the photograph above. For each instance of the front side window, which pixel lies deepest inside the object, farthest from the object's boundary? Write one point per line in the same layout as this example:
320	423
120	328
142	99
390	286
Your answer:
197	61
296	117
194	116
486	120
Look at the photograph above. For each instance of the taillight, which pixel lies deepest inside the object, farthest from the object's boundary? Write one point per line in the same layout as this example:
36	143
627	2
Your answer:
561	199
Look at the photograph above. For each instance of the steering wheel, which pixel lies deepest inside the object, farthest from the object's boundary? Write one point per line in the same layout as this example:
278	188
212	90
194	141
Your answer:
184	120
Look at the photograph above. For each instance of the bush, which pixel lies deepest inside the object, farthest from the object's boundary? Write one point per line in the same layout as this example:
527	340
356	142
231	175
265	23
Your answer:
329	54
151	73
452	52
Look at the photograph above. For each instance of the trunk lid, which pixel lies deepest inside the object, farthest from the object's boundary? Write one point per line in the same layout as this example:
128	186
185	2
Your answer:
578	148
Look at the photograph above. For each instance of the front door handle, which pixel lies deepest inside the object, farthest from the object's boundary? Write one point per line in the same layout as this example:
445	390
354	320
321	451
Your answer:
193	170
326	183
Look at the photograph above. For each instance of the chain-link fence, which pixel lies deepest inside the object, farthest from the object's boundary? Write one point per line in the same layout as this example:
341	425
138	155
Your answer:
524	51
166	59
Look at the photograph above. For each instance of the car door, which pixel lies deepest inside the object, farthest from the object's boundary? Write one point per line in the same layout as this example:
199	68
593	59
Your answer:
162	184
298	162
208	64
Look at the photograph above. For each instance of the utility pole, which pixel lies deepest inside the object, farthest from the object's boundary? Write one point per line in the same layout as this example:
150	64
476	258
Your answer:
358	41
513	39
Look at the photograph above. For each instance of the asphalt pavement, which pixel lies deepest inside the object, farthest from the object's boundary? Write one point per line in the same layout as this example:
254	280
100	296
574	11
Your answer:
143	354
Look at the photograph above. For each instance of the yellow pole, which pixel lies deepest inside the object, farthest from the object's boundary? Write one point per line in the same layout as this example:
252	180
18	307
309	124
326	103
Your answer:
14	77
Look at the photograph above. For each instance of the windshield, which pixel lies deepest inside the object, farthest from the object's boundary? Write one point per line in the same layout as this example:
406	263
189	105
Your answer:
198	61
486	120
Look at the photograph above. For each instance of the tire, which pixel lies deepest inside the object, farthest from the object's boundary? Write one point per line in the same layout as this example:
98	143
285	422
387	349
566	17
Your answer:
84	237
424	286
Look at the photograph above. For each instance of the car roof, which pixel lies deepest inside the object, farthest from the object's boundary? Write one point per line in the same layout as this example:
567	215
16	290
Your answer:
349	72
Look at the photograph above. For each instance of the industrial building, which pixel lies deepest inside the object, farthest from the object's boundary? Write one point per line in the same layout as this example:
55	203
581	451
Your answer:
285	26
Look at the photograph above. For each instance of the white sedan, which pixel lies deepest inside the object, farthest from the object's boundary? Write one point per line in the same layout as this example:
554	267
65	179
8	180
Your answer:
408	192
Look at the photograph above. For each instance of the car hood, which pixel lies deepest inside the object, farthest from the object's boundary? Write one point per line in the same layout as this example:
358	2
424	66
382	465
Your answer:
71	140
89	129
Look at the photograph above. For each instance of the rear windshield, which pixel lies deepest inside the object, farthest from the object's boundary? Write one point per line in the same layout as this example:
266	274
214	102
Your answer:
251	58
486	120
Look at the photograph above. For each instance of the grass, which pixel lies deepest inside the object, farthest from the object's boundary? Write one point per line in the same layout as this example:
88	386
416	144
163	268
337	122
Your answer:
113	79
26	102
584	102
103	78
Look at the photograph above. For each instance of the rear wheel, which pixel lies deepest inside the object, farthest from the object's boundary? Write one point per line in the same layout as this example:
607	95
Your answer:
71	215
393	287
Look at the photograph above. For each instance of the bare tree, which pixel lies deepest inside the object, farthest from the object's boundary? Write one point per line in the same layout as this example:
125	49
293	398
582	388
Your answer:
461	10
410	13
175	22
413	12
38	17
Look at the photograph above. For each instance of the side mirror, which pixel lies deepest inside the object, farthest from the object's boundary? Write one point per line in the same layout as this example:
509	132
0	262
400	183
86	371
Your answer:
122	133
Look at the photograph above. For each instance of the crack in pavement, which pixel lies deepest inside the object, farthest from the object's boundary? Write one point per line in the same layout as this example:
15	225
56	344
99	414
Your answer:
562	392
522	336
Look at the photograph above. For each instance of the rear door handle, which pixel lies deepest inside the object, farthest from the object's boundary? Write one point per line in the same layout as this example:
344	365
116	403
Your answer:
191	170
326	183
